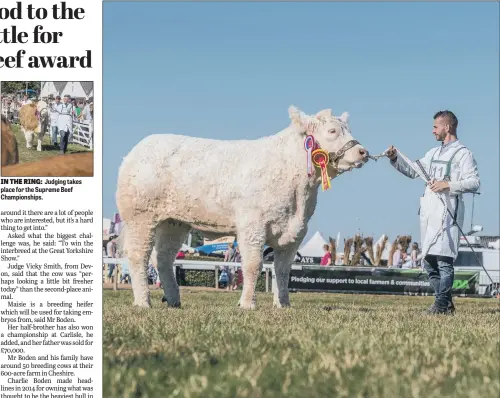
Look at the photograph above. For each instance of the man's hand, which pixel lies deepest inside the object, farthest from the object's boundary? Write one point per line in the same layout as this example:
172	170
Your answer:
439	186
392	153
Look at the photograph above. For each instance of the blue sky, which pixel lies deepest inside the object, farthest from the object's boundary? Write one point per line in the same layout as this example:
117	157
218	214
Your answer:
230	71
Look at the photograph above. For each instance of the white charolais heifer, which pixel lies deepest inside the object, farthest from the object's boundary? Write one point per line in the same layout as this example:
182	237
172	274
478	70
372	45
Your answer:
259	189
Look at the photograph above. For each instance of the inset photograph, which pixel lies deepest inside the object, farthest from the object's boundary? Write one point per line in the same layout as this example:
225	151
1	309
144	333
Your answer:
47	128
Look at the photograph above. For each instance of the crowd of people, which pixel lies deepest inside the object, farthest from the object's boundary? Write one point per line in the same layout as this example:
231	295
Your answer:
400	258
230	278
63	113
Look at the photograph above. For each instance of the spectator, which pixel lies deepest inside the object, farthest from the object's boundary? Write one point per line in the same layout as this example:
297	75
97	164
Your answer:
414	255
230	253
237	279
327	258
406	261
77	110
237	255
223	278
111	252
152	274
125	277
397	258
87	115
25	100
180	255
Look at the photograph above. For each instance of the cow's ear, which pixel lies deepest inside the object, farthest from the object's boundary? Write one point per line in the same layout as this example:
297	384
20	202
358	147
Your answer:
300	119
325	113
344	117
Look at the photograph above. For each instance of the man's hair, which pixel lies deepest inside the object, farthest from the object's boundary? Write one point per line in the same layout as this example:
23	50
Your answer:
450	117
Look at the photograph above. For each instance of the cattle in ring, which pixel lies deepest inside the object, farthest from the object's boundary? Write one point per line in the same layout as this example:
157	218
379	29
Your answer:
34	119
169	184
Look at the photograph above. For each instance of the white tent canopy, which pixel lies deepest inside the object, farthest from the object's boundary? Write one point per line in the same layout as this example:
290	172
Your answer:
186	248
314	247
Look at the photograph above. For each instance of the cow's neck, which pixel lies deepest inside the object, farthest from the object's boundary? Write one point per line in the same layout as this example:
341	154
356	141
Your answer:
311	183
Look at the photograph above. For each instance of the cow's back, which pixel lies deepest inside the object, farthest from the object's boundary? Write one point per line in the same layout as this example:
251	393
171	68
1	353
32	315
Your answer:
27	117
192	179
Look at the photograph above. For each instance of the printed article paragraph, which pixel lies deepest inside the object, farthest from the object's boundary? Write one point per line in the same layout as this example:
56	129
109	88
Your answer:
48	317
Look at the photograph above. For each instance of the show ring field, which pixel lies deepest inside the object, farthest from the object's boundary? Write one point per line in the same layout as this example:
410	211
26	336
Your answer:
325	345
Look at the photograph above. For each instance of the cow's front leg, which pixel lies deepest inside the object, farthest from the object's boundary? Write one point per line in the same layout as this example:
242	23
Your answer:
28	135
250	245
40	139
283	259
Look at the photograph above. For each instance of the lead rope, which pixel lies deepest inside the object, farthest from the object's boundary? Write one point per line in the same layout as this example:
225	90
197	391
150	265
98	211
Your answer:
423	174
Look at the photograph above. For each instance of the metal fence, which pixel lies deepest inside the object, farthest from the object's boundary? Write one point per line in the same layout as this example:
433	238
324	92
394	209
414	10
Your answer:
83	134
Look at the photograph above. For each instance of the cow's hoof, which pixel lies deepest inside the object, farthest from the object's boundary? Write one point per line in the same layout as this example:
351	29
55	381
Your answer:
247	306
142	305
284	303
280	306
172	303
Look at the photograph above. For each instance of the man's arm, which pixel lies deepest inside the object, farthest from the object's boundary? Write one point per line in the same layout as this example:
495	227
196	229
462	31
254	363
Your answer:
404	168
469	176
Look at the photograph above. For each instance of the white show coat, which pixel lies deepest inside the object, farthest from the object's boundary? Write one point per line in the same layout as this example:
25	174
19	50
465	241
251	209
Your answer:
463	177
65	119
54	114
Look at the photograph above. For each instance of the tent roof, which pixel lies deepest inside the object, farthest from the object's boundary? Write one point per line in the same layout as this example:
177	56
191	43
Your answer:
314	247
186	248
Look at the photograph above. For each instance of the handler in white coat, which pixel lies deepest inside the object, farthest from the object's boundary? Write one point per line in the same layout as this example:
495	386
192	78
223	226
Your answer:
453	171
65	122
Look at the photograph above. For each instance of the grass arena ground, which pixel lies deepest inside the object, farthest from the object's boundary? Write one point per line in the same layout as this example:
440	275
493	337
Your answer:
31	155
326	345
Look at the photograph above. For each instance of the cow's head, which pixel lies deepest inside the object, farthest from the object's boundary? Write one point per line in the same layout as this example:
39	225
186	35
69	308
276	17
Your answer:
333	135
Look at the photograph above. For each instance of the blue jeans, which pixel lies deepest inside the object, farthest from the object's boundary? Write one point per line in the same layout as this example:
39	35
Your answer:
441	275
55	133
111	268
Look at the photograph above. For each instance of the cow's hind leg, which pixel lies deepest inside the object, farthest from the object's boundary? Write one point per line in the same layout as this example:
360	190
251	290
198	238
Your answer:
251	243
169	237
138	236
283	259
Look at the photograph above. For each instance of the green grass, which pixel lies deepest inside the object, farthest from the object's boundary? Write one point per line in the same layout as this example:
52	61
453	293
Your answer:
326	345
31	155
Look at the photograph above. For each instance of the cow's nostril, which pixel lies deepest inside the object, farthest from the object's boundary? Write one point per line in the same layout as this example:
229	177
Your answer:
363	152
